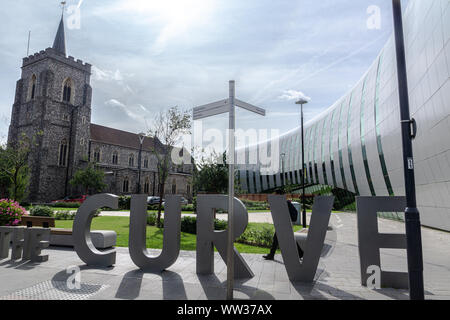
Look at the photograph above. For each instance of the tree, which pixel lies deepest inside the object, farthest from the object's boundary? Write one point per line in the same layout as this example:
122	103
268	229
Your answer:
168	128
90	179
212	175
14	171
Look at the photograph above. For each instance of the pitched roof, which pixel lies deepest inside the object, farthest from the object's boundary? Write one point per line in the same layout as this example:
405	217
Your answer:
121	138
59	45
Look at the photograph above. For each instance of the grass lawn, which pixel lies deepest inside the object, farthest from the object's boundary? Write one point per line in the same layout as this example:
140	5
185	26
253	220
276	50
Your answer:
155	235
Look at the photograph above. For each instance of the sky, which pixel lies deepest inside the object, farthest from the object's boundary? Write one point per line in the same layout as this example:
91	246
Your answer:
148	56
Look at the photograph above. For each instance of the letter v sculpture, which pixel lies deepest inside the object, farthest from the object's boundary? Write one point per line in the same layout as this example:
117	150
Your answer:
301	271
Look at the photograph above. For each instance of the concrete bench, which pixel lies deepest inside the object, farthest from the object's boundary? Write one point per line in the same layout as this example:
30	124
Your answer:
43	222
102	239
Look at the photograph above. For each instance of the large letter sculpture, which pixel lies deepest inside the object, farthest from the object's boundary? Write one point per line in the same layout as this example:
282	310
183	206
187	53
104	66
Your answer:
18	242
5	239
207	238
138	231
306	270
36	239
82	231
29	241
370	241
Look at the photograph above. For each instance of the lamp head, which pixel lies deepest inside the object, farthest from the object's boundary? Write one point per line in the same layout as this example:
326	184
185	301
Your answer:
302	101
142	137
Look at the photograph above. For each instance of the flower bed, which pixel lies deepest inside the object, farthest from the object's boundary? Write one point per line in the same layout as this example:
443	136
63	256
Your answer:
10	212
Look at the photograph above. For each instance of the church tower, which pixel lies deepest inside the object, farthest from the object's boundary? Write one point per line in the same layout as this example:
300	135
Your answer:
53	105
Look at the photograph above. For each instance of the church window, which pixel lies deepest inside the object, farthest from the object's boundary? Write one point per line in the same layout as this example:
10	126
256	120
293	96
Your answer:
63	148
131	160
146	162
147	185
82	141
32	88
97	155
115	158
126	184
67	91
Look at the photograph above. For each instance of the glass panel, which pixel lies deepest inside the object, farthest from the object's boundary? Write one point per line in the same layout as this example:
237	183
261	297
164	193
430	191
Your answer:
363	141
349	144
324	170
341	163
387	180
333	174
316	142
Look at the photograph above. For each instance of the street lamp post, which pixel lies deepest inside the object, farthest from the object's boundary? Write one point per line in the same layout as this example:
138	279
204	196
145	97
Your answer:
283	178
412	216
301	102
141	141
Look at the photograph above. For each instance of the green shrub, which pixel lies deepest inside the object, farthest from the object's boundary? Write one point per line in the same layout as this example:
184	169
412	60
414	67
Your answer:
187	207
154	207
220	225
65	215
124	202
256	205
194	203
41	211
189	225
257	236
342	198
152	218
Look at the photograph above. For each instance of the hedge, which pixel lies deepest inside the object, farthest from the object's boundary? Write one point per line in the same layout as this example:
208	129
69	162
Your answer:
41	211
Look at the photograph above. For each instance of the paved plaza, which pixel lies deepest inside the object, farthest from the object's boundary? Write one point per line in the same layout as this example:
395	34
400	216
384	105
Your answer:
338	276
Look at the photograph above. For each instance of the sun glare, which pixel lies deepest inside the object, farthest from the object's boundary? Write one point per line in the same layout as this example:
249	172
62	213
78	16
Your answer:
173	18
178	12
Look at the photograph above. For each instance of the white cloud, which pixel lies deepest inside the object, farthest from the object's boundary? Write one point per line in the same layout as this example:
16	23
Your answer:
291	95
106	75
125	109
115	103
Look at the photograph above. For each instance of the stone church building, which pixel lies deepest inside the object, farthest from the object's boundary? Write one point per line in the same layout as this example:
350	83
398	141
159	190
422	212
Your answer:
53	104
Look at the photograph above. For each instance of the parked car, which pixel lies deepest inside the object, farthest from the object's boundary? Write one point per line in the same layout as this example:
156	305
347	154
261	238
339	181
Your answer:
184	201
153	200
79	199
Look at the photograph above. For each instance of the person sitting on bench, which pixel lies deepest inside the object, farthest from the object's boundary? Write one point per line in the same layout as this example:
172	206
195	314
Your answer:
294	214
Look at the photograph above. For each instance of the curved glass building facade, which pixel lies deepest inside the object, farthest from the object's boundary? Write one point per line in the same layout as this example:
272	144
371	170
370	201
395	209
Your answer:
355	145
